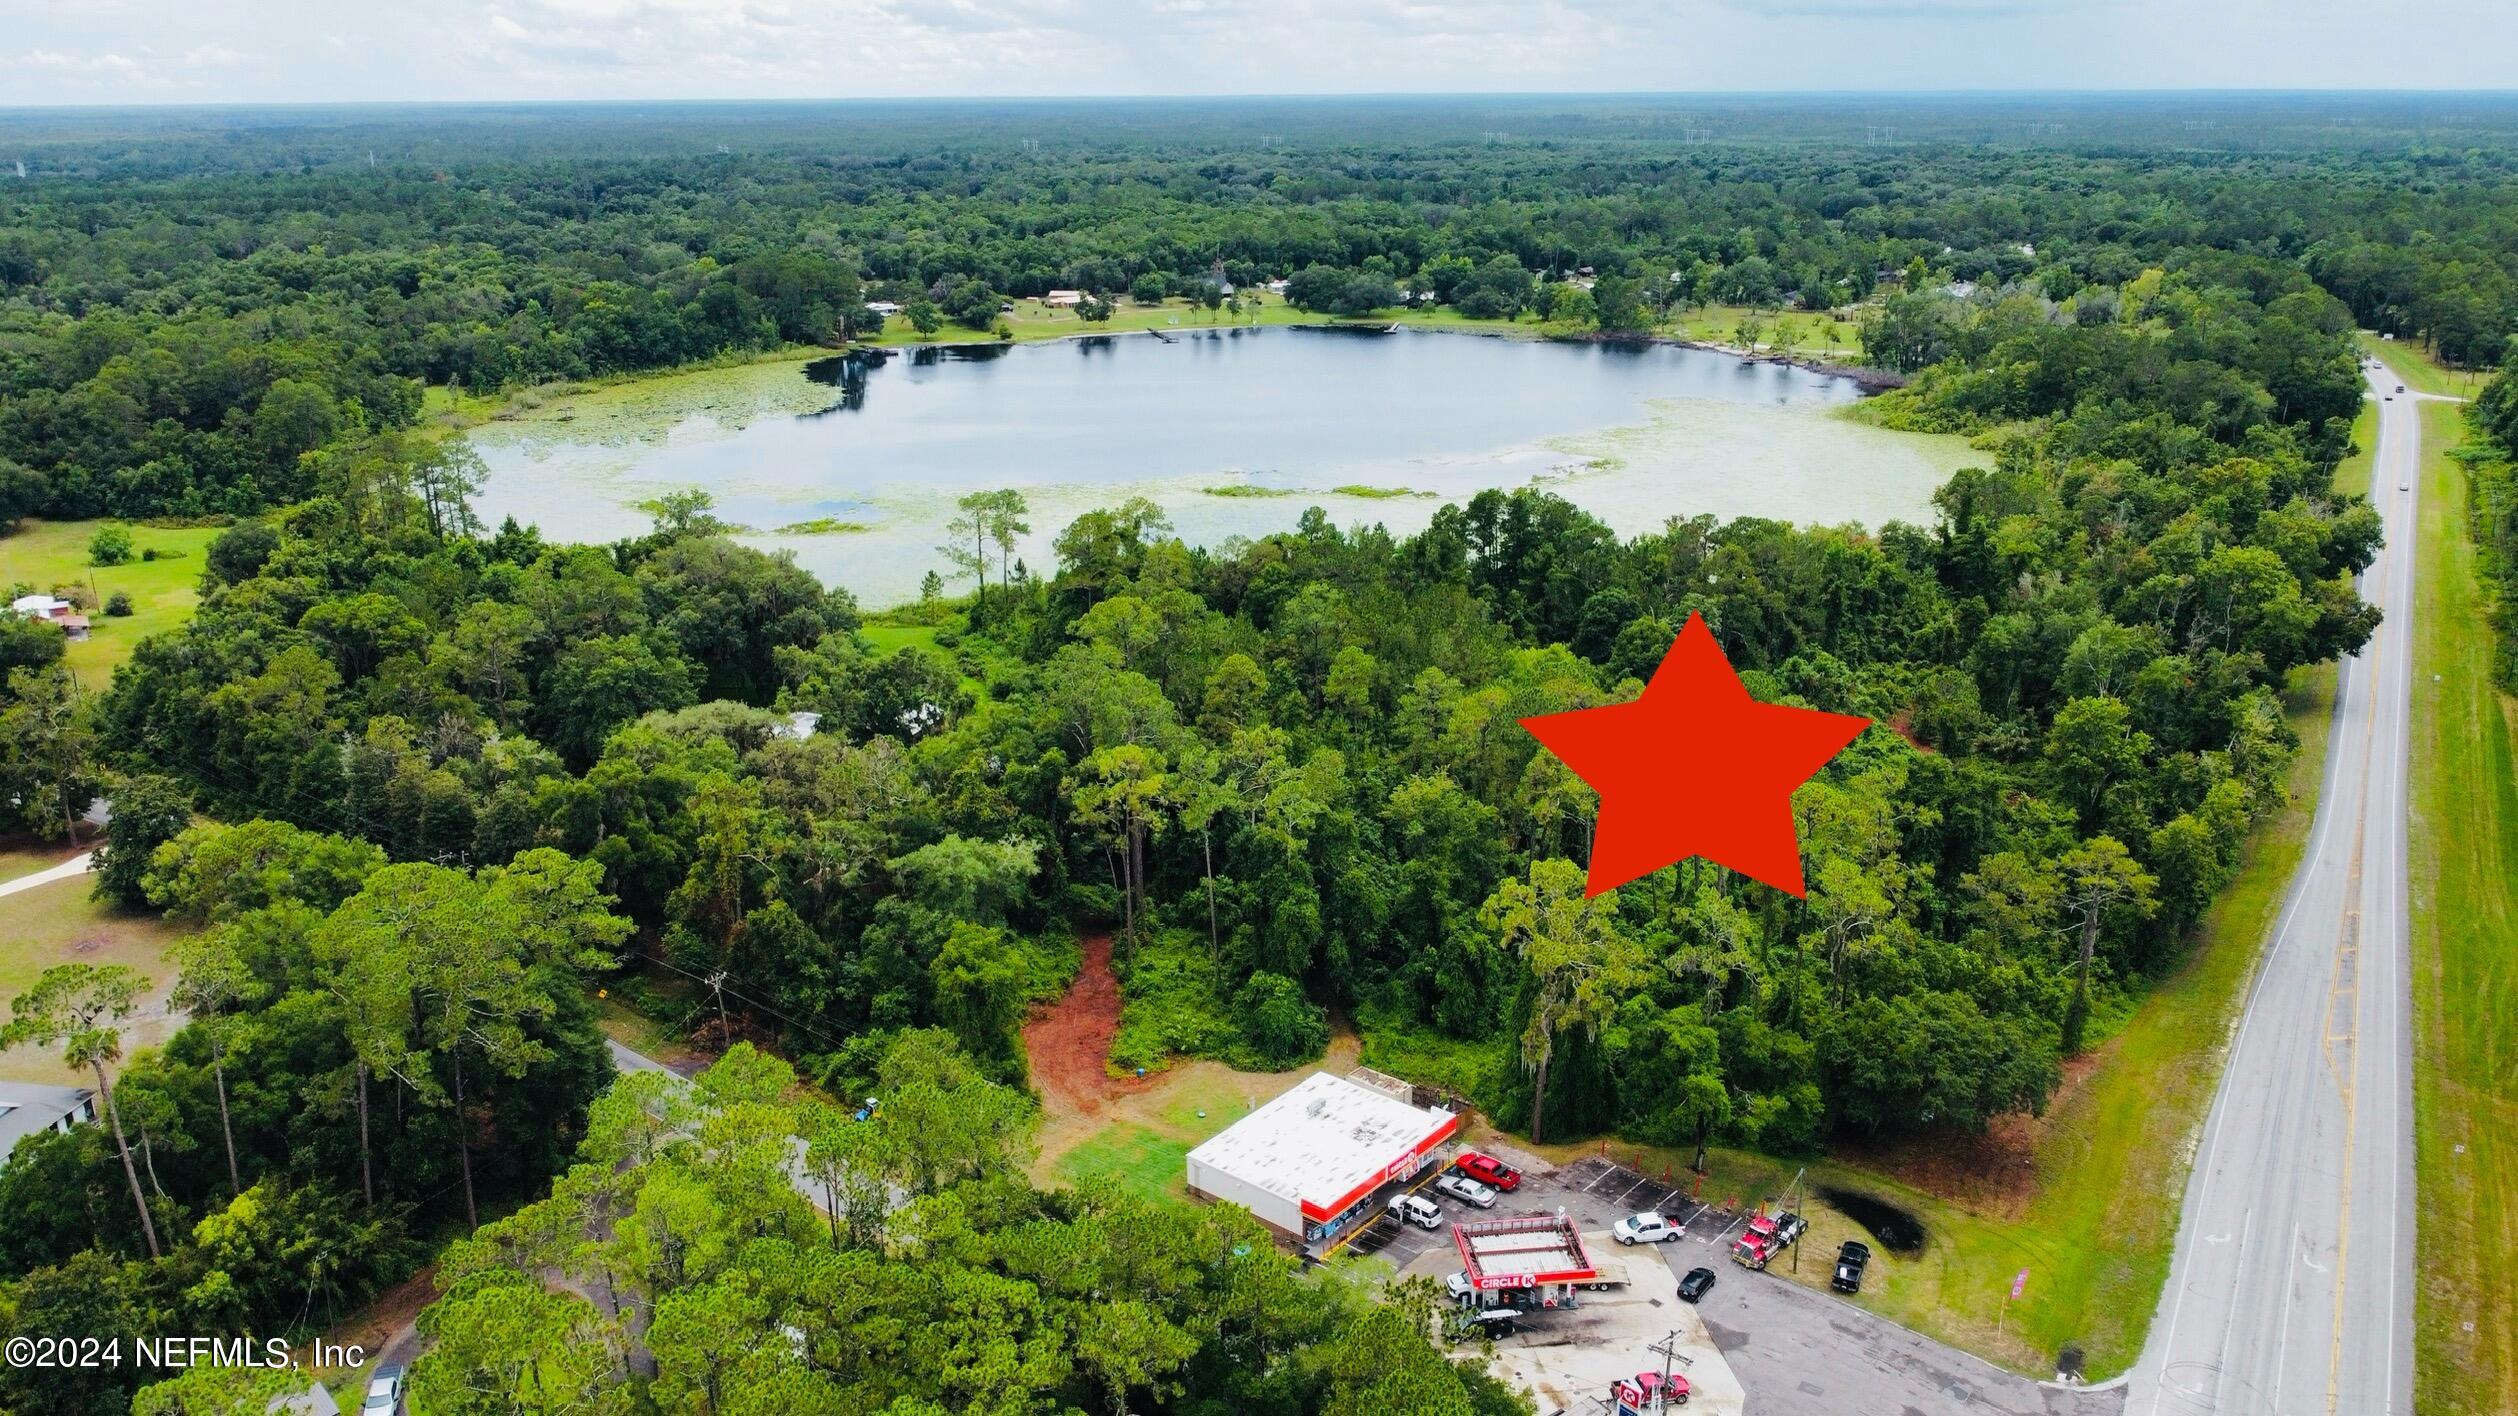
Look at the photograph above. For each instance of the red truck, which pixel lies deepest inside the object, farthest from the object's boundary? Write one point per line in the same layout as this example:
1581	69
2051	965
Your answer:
1766	1236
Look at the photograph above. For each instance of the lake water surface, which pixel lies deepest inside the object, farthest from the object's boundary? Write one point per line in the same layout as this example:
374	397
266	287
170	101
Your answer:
1636	434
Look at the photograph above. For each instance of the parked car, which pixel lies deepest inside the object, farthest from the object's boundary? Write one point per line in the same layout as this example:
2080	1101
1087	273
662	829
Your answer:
1487	1170
1649	1227
1498	1322
1466	1190
1851	1260
1416	1210
1694	1286
384	1391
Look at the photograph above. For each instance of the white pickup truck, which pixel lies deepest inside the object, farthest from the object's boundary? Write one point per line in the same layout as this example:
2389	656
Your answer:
1649	1227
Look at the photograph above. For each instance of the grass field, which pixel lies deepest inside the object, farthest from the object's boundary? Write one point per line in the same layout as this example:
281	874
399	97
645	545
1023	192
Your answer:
59	924
24	855
2421	372
46	554
2464	848
1806	335
1139	1160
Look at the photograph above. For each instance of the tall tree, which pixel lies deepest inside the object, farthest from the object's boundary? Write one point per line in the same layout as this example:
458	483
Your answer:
212	981
1578	958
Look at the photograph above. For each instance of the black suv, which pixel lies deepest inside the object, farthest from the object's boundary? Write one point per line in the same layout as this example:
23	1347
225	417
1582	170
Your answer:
1694	1285
1851	1260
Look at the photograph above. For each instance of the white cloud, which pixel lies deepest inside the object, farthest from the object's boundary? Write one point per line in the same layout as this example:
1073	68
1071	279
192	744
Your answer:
315	50
54	59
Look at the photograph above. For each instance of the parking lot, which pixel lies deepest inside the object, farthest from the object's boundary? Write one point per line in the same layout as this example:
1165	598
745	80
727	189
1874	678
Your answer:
1399	1245
1796	1351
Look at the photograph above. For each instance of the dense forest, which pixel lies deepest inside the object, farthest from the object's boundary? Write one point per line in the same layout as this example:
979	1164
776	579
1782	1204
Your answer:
184	318
422	785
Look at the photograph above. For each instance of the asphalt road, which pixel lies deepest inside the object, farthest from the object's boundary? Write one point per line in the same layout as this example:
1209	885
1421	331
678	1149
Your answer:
2292	1287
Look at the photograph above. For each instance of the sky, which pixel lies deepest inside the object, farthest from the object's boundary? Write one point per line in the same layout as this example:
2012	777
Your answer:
244	51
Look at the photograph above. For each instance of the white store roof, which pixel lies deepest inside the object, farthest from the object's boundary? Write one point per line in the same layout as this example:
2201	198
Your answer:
1325	1143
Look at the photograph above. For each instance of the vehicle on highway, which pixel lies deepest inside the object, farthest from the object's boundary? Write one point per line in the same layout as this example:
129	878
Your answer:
2399	388
1487	1170
1851	1260
1467	1191
1416	1210
384	1391
1695	1285
1649	1391
1649	1227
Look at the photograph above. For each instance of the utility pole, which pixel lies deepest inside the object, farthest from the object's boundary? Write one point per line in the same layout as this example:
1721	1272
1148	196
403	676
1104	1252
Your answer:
1668	1347
725	1030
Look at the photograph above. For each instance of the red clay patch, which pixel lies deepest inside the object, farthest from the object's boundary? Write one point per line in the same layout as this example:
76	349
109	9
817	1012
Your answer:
1069	1040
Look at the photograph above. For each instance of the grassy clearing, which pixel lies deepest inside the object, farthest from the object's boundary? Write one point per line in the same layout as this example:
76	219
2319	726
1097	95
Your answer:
25	856
59	924
2464	847
889	639
45	555
1137	1159
2417	369
1802	335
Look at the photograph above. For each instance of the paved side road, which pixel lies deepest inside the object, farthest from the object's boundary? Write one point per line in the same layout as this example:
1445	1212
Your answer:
79	864
1800	1352
2292	1290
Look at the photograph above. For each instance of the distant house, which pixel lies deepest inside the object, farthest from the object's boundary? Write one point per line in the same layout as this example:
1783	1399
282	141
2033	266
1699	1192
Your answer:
72	626
1063	299
1959	289
40	607
28	1107
885	308
1276	287
798	727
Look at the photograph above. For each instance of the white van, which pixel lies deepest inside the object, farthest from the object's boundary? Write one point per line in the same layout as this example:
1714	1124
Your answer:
1416	1210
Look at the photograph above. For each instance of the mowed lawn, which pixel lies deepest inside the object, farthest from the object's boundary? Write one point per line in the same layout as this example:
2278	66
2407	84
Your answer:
45	555
2465	974
59	924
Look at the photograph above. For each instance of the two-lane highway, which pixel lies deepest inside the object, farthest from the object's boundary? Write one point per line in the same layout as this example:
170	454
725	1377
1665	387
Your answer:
2291	1292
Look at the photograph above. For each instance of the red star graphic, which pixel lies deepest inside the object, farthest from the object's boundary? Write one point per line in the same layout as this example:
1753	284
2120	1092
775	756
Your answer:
1695	767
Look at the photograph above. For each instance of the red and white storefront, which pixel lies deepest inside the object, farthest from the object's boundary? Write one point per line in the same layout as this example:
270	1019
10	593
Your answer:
1312	1163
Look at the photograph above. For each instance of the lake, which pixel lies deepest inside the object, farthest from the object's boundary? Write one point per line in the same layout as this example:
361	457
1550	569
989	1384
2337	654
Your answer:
1233	431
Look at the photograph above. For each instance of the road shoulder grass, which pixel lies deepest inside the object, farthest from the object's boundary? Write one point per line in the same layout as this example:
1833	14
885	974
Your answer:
2464	850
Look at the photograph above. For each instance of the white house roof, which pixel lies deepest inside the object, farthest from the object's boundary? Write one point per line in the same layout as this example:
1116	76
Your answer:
1325	1143
28	1107
37	604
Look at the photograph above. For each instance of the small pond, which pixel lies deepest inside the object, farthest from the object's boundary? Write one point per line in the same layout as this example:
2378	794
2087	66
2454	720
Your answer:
1233	431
